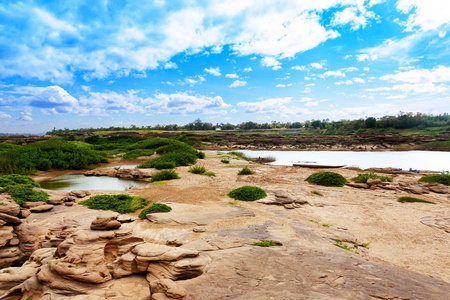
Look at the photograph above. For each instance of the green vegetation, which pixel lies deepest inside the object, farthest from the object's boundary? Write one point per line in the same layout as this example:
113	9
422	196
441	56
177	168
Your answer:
5	147
225	161
363	177
2	204
316	193
155	208
164	175
22	193
15	179
353	247
52	154
238	155
327	179
247	193
118	203
412	199
434	146
267	243
197	169
246	171
209	173
138	153
443	178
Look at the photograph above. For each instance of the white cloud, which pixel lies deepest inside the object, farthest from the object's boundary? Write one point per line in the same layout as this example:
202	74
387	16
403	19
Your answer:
299	68
439	74
355	16
362	57
170	65
358	80
231	75
213	71
270	62
216	49
249	69
316	66
348	56
276	106
427	15
283	85
101	103
4	115
349	69
337	73
238	83
442	34
347	82
366	69
427	87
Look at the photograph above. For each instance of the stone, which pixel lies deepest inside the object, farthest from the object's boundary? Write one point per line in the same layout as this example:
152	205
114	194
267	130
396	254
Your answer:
199	229
80	194
101	172
34	204
358	185
10	219
9	207
55	201
68	204
440	189
289	206
24	213
372	182
158	219
106	222
168	288
41	208
437	221
6	235
125	218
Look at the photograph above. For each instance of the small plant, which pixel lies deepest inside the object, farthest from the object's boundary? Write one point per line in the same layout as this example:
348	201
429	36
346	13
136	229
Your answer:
211	174
116	168
247	193
197	169
119	203
363	177
412	199
316	193
2	204
129	187
327	179
23	193
339	243
267	243
15	179
154	208
246	171
232	202
164	175
326	225
225	161
443	178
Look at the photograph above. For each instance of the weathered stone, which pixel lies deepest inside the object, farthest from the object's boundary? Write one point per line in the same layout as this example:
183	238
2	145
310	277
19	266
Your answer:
289	206
9	207
105	223
125	218
80	194
24	213
41	208
199	229
6	235
68	204
168	288
10	219
358	185
101	172
371	181
440	189
34	204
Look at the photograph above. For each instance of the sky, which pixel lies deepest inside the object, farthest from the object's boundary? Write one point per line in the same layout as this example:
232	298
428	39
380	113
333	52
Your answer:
101	63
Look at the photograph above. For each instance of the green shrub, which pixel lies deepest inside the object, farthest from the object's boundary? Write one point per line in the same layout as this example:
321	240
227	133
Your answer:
327	179
208	173
371	175
443	178
119	203
246	171
247	193
197	169
138	153
267	243
15	179
412	199
22	193
155	208
164	175
225	161
201	155
4	147
163	165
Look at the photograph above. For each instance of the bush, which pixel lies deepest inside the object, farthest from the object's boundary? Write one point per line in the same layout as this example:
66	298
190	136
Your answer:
327	179
246	171
412	199
212	174
164	175
22	193
247	193
15	179
371	175
163	165
443	178
154	208
197	169
225	161
267	243
119	203
138	153
178	153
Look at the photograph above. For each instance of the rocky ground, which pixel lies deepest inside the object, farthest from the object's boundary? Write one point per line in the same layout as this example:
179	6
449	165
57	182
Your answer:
203	249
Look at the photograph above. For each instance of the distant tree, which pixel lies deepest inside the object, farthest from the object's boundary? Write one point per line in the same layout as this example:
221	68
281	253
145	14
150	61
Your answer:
371	122
316	124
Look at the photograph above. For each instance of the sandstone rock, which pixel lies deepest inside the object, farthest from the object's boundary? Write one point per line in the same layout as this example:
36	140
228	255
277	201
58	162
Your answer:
199	229
10	206
69	199
372	182
34	204
440	222
6	235
155	252
106	222
166	289
55	201
358	185
139	174
289	206
41	208
101	172
178	270
125	218
68	204
80	194
24	213
440	189
158	219
10	219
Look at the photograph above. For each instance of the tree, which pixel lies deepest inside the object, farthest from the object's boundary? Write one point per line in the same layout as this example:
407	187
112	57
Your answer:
371	122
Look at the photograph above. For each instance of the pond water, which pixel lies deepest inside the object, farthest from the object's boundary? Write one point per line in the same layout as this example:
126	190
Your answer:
416	160
80	182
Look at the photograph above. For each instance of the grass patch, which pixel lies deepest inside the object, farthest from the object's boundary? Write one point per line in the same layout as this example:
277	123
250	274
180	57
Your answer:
197	169
363	177
154	208
138	153
225	161
15	179
267	243
247	193
327	179
164	175
119	203
22	193
443	178
412	199
316	193
246	171
209	173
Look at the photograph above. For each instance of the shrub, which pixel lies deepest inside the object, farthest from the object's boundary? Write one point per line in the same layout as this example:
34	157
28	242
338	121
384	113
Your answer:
163	165
138	153
246	171
197	169
22	193
371	175
225	161
412	199
327	179
208	173
267	243
247	193
15	179
119	203
443	178
164	175
154	208
201	155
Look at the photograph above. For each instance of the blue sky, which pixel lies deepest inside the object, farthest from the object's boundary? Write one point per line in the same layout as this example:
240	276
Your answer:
81	64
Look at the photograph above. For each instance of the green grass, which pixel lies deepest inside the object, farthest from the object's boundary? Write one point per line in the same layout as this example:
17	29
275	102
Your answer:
238	155
209	173
225	161
246	171
119	203
327	179
14	179
247	193
164	175
197	169
316	193
132	154
363	177
267	243
154	208
412	199
22	193
443	178
3	204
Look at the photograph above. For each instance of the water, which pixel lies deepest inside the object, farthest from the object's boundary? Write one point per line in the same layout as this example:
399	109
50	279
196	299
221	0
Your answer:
80	182
416	160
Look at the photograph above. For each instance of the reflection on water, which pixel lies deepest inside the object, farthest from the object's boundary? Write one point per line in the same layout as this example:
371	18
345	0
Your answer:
416	160
80	182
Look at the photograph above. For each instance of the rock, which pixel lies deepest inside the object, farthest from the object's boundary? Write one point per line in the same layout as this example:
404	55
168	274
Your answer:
440	189
41	208
80	194
199	229
69	199
440	222
6	235
139	174
10	219
154	252
24	213
101	172
55	201
158	219
168	288
10	206
358	185
68	204
106	222
289	206
372	182
34	204
125	218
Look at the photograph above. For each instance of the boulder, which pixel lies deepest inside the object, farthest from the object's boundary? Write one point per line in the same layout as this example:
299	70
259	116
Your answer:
34	204
440	189
80	194
10	219
9	206
41	208
166	289
358	185
101	172
6	235
24	213
372	182
106	222
125	218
